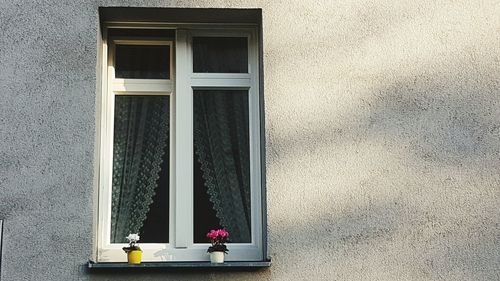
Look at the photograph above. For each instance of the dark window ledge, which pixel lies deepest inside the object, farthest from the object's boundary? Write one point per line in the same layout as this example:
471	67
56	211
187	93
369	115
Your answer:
231	265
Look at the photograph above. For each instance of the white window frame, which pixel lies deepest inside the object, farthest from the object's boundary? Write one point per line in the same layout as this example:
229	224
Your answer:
180	88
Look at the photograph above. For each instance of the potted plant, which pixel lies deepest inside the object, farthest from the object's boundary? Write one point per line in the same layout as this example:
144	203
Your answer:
217	237
134	253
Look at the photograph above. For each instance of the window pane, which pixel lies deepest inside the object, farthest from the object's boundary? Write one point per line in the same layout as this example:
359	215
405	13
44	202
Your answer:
142	62
220	54
221	164
140	192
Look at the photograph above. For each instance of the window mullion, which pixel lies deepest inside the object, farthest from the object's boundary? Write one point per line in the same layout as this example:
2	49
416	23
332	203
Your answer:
183	212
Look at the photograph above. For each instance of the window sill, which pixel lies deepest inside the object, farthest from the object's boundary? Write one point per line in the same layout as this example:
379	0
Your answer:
231	265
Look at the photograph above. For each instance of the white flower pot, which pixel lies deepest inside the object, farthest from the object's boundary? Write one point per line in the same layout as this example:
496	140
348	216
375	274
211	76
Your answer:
217	257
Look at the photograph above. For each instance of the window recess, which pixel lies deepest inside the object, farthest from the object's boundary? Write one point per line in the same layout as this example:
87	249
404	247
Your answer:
180	142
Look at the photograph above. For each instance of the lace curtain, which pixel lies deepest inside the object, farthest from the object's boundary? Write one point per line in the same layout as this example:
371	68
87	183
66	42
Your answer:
141	130
221	143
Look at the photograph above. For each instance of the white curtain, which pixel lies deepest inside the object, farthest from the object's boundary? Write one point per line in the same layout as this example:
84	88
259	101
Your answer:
221	141
141	132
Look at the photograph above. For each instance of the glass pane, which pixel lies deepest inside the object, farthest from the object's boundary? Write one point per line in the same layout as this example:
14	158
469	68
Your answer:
142	62
140	192
220	54
221	164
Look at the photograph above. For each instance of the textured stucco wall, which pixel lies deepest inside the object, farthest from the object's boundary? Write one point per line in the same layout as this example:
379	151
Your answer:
383	139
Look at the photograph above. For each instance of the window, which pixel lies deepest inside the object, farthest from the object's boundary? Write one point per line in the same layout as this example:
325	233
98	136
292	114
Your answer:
180	141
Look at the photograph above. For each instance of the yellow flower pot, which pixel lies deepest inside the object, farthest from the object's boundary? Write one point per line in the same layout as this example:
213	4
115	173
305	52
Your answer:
134	257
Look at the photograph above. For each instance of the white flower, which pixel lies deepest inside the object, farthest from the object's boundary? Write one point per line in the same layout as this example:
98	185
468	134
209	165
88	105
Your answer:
133	238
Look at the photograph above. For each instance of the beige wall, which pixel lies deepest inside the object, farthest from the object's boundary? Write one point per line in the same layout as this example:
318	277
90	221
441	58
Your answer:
382	130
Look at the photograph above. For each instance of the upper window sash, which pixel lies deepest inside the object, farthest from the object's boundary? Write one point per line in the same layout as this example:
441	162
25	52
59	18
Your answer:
132	85
203	80
252	53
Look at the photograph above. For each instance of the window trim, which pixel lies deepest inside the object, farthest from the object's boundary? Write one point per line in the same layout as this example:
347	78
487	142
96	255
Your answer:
181	246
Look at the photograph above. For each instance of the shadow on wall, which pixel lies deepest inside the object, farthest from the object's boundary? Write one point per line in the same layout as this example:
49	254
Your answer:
425	205
439	119
389	170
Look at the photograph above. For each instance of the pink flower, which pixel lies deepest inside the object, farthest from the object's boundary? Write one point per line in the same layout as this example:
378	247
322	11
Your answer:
212	234
216	233
223	233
